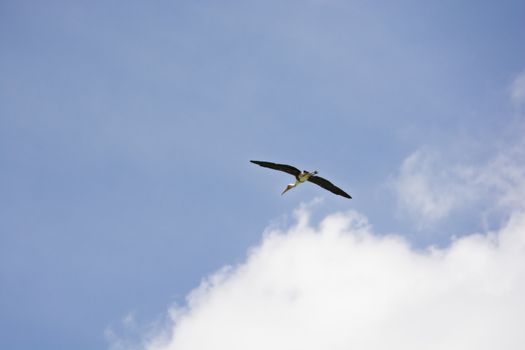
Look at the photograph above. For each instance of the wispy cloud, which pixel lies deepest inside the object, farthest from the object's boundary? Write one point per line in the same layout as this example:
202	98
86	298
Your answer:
130	334
429	188
517	91
339	285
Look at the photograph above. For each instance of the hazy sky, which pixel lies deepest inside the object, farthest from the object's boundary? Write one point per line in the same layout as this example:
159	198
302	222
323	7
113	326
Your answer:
126	130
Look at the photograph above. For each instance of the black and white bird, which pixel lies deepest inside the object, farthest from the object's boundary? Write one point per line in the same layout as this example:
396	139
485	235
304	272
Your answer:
302	176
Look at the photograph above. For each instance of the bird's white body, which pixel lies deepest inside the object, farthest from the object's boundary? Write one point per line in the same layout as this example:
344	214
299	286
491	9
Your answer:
305	175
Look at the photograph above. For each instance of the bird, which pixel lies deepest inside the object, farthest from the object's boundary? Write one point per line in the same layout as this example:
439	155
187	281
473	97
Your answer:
302	176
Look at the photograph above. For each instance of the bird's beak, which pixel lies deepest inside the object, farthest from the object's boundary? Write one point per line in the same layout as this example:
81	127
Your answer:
286	189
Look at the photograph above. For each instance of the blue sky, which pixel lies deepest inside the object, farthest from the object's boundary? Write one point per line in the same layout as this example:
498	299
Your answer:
126	131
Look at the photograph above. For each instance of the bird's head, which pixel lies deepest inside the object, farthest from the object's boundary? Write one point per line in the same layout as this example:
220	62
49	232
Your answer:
315	172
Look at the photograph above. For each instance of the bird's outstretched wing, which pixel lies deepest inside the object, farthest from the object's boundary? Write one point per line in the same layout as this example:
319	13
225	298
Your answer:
327	185
282	167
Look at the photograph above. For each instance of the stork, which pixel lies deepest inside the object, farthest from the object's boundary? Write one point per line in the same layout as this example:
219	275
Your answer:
302	176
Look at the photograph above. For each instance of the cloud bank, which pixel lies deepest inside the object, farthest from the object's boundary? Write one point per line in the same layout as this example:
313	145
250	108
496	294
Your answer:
341	286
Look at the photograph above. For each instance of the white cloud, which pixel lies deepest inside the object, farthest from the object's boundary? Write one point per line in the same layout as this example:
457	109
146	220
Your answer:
341	286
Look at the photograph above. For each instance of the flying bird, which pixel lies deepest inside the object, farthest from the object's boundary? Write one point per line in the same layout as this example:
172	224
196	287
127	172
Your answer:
302	176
